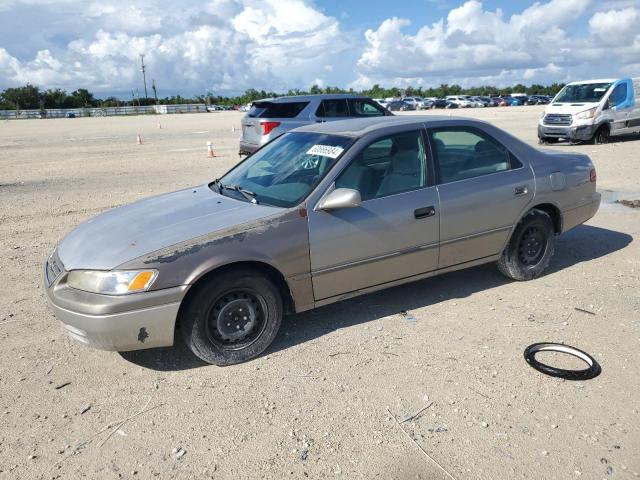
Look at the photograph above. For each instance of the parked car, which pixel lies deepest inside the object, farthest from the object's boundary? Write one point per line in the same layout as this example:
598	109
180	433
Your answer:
416	102
323	213
399	106
592	110
382	102
460	101
489	102
501	102
513	101
271	117
540	99
443	103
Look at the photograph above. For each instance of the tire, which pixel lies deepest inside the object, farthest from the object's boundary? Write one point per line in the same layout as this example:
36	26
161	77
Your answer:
530	248
601	136
204	325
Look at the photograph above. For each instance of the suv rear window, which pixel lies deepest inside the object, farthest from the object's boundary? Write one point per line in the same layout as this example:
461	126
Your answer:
276	110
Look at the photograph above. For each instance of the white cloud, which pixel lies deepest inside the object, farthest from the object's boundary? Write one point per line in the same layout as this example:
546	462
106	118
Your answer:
222	45
472	45
227	46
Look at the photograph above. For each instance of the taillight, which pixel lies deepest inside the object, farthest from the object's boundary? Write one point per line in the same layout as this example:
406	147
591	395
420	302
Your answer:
592	175
268	126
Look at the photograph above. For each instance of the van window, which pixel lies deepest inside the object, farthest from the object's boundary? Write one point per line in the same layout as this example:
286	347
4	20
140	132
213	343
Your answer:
619	95
276	110
583	92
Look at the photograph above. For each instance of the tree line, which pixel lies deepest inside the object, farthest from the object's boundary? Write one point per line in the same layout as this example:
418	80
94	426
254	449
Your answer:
31	97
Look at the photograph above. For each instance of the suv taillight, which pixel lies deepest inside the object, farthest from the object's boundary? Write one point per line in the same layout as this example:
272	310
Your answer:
268	126
592	175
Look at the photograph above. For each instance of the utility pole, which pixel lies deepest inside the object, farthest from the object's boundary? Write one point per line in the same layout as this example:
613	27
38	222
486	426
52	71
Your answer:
144	76
153	87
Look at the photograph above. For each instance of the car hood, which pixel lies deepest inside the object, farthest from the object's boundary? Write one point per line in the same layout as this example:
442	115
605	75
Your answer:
128	232
570	108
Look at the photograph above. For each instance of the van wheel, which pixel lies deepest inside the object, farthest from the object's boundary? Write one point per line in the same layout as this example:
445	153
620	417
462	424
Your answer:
601	136
530	249
232	317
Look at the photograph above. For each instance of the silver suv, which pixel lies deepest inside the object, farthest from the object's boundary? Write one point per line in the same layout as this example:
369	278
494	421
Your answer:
271	117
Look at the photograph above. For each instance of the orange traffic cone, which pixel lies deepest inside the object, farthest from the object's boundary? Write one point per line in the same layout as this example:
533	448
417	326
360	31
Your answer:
210	153
139	139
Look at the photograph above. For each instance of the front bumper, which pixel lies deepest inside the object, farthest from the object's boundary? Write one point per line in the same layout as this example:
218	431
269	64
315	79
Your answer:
573	132
109	322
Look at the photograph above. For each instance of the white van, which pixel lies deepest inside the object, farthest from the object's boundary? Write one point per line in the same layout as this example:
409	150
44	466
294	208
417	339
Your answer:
592	110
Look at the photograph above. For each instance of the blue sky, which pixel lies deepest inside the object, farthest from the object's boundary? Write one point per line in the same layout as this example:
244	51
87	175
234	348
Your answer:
227	46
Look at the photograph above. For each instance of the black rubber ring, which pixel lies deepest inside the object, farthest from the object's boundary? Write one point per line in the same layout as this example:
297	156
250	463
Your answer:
588	373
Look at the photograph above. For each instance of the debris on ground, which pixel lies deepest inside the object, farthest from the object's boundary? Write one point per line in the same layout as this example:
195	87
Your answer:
178	452
409	317
62	385
584	311
629	203
85	409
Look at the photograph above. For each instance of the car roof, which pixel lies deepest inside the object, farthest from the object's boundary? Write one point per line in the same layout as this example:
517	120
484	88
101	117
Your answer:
356	127
308	98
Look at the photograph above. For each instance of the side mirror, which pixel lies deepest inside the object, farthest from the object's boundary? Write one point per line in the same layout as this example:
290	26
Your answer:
341	198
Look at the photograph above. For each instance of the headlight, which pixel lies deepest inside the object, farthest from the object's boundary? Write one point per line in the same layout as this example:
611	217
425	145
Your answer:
587	114
112	283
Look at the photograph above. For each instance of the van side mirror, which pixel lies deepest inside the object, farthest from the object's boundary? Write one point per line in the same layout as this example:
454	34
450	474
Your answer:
341	198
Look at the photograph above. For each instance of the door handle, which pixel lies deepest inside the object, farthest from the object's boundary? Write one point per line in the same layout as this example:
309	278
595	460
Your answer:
521	190
424	212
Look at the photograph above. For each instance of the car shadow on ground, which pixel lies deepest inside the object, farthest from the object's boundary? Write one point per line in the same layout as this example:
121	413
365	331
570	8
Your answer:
583	243
628	137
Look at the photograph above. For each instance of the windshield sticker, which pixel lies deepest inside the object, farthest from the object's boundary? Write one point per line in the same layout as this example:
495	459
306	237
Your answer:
325	151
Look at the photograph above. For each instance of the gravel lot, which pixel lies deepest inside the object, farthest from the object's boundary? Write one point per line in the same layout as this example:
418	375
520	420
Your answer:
317	404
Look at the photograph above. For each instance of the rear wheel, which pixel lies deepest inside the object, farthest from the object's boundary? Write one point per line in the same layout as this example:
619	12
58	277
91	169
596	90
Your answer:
232	318
530	249
601	136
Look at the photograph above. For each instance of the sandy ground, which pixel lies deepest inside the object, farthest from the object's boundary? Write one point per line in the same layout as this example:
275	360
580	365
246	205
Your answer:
316	405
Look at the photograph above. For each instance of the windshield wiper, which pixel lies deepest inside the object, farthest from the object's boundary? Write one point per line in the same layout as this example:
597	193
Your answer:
248	194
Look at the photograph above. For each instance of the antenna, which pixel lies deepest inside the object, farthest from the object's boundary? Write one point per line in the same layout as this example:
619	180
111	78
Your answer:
144	76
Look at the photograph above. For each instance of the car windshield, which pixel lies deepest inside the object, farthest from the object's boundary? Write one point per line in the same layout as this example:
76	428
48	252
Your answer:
583	92
283	172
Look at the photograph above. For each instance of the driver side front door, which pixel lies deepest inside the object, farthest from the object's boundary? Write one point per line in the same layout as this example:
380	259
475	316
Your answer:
393	234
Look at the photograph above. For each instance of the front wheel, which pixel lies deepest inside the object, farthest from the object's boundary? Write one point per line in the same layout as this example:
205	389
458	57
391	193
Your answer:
232	317
530	249
601	136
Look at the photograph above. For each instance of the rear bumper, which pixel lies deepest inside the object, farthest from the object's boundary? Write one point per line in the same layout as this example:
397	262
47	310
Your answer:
247	148
577	132
576	216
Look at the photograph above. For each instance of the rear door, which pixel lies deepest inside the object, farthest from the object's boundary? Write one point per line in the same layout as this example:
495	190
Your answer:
483	189
331	109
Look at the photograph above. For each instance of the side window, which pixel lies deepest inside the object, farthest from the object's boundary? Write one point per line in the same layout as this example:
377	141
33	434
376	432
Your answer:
333	108
364	108
387	166
619	95
467	153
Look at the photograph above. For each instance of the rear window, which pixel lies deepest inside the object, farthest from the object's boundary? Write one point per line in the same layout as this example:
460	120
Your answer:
276	110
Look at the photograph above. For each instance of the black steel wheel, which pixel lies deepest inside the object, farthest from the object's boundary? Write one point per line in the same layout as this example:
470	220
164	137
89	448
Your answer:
231	317
601	136
531	245
236	319
530	248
